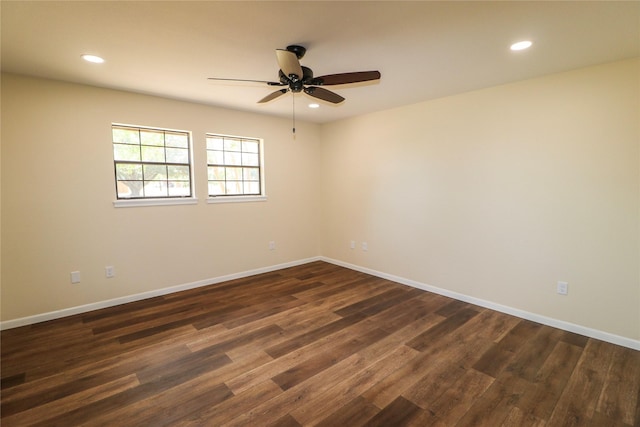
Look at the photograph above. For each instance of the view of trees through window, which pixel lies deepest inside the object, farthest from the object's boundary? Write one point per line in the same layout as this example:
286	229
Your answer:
151	163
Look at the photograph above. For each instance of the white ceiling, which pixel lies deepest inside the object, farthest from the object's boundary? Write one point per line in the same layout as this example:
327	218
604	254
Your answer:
424	50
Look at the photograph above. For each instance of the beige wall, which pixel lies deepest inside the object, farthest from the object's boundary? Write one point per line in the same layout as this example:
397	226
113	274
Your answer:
498	194
58	188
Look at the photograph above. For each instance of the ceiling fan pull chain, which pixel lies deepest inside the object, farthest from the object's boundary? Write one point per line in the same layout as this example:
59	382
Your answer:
293	98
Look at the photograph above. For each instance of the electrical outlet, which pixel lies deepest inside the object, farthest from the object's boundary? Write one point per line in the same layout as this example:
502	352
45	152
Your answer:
353	244
272	245
75	277
109	271
365	246
562	288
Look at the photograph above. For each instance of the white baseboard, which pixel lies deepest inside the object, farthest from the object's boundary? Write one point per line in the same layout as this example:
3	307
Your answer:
29	320
560	324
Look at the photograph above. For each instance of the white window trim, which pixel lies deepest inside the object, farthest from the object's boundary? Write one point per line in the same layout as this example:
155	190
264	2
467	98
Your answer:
164	201
262	197
131	203
237	199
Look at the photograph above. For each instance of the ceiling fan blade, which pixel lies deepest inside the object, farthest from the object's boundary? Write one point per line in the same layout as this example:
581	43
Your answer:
250	81
324	94
273	95
345	78
289	64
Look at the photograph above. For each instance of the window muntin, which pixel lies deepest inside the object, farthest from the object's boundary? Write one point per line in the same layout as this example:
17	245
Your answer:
233	166
151	163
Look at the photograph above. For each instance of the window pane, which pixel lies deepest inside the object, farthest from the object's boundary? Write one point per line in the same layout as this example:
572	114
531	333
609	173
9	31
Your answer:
179	140
177	155
125	172
129	189
250	146
216	188
234	187
215	173
179	188
215	143
125	136
232	144
156	189
140	160
123	189
233	165
233	174
250	159
215	157
251	174
155	172
126	152
178	173
149	137
251	187
232	158
153	154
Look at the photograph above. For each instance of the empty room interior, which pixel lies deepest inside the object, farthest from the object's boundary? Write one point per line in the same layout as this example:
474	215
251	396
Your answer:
320	213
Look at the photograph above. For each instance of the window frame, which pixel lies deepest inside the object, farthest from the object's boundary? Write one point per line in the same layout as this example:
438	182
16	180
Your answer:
154	200
236	198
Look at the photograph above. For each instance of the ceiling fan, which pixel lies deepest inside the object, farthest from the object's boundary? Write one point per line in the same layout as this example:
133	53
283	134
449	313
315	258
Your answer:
298	78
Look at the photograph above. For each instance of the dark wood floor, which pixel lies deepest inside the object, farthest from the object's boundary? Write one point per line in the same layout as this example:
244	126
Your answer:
311	345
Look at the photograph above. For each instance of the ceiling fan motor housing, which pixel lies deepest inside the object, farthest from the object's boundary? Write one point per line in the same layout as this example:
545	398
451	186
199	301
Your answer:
298	50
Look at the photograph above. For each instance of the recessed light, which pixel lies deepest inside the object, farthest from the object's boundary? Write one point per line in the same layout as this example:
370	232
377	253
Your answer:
314	105
92	58
525	44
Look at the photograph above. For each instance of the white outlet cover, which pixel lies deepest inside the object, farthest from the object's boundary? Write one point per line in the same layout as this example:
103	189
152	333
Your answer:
109	271
75	277
562	288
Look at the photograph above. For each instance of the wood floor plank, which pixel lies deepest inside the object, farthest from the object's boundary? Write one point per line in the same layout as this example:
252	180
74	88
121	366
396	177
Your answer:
291	399
301	340
281	364
169	406
12	380
314	344
350	388
234	407
578	402
397	413
494	406
528	360
354	413
443	328
550	382
60	406
502	353
618	400
459	396
304	370
442	373
377	362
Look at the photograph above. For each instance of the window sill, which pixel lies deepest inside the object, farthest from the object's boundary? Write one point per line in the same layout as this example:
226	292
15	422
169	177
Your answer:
236	199
123	203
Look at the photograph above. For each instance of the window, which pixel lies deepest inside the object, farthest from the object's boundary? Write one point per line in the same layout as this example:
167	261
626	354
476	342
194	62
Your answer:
234	166
151	163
